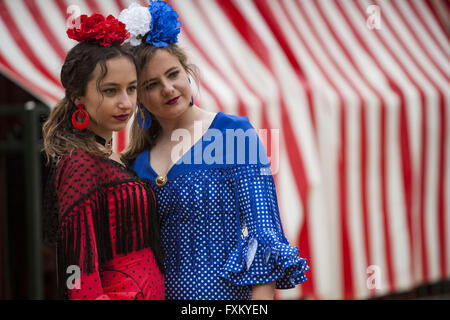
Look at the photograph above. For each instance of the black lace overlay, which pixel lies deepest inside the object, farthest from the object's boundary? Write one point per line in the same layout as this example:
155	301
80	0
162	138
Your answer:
84	194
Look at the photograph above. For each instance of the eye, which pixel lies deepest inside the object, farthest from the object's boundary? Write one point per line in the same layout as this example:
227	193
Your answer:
132	89
109	91
174	74
150	86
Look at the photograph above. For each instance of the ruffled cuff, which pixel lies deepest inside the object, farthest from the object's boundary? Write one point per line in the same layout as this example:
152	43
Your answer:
265	259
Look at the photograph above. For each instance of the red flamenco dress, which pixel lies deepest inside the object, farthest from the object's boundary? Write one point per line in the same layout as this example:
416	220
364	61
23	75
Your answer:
107	229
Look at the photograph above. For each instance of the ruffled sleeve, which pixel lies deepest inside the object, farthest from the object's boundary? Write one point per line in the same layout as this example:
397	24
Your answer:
264	255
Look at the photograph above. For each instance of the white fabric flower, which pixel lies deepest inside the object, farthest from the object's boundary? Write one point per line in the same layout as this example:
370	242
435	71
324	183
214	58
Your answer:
137	20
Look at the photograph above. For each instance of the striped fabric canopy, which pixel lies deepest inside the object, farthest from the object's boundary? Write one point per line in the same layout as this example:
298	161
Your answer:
357	95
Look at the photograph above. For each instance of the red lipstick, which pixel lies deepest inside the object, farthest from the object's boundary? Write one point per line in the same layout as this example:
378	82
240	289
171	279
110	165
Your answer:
122	117
172	101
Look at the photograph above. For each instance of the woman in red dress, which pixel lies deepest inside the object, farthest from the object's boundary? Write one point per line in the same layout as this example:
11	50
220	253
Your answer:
99	214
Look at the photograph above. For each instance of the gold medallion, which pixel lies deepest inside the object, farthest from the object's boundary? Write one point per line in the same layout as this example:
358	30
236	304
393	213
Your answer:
161	181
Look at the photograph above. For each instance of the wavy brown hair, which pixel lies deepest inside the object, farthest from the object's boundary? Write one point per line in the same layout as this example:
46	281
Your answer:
142	139
60	136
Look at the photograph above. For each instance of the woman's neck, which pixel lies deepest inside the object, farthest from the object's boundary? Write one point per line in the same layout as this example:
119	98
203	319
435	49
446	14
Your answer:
184	121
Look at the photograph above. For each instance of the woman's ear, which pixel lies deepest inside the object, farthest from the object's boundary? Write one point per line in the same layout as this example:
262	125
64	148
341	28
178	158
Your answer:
78	101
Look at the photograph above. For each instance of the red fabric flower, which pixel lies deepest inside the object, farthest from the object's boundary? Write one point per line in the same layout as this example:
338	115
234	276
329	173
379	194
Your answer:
96	27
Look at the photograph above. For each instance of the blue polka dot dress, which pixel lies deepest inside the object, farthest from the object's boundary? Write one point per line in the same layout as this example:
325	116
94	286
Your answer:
220	223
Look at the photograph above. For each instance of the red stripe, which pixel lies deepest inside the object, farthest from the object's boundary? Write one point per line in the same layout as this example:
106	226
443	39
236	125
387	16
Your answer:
121	142
424	145
383	156
294	155
120	4
22	81
442	164
362	107
414	34
346	272
403	128
424	135
186	32
444	250
22	43
441	149
202	52
46	30
93	7
62	7
247	32
445	6
264	8
427	27
407	171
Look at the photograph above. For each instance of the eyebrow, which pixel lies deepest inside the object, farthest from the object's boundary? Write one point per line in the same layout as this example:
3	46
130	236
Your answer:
152	79
116	84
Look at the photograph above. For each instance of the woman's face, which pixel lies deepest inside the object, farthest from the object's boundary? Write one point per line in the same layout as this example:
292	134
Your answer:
164	87
110	108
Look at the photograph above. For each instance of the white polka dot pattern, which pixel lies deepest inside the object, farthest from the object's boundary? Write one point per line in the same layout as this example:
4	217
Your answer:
203	217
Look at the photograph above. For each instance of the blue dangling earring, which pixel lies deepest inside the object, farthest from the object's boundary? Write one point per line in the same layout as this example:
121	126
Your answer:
143	124
192	97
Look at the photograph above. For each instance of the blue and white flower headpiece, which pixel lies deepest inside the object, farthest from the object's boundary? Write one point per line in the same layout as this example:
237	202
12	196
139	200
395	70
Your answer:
157	24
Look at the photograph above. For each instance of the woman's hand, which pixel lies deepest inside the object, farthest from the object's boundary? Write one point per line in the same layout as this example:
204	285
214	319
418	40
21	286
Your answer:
263	291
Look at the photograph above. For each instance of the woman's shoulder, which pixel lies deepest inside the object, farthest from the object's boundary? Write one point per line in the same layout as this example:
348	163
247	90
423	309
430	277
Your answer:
231	121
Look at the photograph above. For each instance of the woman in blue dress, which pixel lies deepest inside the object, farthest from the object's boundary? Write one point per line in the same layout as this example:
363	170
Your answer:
219	217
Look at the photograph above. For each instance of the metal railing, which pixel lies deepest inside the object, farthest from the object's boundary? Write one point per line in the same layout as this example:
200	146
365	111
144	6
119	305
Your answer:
29	145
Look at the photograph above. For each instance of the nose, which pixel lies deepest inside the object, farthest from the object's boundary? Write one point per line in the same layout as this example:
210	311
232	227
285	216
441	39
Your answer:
167	89
127	101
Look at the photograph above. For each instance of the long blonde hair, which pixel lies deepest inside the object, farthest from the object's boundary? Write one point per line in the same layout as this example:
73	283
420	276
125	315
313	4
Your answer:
60	137
142	139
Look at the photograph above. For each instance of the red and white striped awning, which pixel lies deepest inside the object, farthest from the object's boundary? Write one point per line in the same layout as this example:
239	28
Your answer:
360	93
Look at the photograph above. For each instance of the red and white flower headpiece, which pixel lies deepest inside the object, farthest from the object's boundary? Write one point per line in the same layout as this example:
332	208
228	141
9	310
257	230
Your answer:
107	30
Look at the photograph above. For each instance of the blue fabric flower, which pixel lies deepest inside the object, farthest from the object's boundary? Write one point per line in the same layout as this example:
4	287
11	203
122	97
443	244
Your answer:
164	26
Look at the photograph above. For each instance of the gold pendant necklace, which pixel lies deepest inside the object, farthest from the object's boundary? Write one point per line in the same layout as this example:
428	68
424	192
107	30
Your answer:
161	181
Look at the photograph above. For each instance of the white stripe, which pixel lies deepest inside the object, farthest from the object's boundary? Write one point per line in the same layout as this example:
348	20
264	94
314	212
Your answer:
108	7
84	8
425	37
441	10
222	28
391	67
430	202
447	194
291	211
432	24
208	75
431	183
400	249
296	103
355	224
323	204
207	101
209	44
32	33
375	216
353	179
413	47
56	21
22	65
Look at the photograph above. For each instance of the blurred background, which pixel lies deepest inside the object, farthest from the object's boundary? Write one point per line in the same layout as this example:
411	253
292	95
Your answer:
355	98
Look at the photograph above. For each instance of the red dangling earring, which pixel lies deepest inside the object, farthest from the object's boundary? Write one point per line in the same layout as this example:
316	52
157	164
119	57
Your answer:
84	114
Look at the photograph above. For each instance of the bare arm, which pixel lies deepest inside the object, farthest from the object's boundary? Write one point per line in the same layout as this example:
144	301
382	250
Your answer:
263	291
